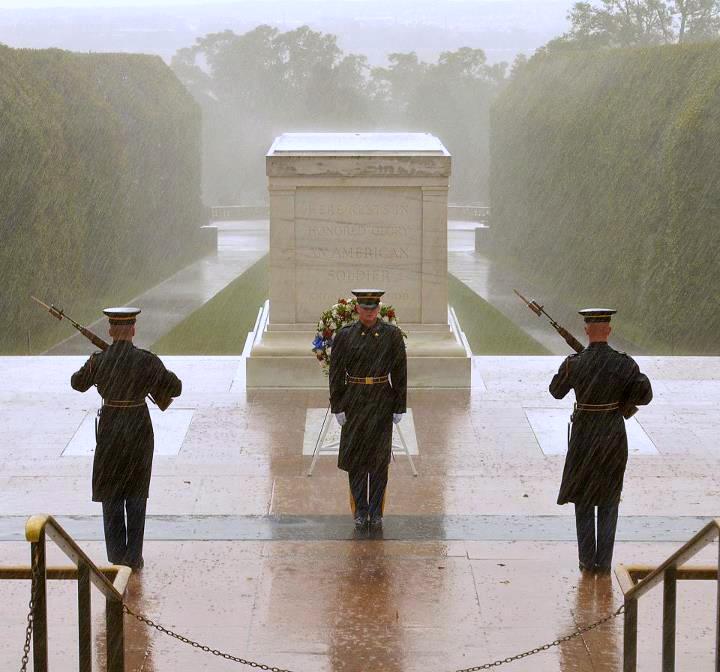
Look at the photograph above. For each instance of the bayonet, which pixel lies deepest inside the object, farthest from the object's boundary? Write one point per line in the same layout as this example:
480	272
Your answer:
59	314
540	311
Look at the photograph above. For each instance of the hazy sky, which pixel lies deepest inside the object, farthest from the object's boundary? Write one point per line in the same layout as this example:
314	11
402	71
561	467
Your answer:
27	4
502	28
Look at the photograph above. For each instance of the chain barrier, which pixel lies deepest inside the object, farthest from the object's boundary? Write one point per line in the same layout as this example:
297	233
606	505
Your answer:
545	647
197	645
477	668
30	618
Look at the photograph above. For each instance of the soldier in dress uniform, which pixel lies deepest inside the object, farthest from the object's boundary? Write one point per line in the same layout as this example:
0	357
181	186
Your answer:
368	393
605	382
124	376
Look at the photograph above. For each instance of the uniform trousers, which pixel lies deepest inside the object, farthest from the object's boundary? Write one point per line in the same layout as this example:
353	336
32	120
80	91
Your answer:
124	543
596	550
368	500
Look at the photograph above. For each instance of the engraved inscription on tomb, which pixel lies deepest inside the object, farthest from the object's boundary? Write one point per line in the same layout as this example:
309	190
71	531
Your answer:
350	237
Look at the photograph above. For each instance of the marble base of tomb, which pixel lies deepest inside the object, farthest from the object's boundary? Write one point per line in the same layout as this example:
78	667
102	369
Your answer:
281	357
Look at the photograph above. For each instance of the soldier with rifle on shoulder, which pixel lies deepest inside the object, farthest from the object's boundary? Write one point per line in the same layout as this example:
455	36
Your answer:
608	386
124	376
605	382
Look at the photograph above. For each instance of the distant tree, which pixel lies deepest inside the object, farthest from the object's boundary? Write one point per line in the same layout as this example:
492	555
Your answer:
256	85
450	98
698	19
394	86
521	60
629	23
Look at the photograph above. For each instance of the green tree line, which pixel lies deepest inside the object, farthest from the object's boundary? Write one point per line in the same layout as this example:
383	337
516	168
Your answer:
632	23
605	181
254	86
99	184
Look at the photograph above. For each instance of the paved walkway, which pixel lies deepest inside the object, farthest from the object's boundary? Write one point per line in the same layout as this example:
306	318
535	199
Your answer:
249	555
240	245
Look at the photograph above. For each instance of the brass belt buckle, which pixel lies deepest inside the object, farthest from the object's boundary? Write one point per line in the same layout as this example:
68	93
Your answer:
369	381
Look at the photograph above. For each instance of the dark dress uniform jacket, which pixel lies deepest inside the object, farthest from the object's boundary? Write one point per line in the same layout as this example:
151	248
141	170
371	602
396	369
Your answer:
597	454
125	439
366	437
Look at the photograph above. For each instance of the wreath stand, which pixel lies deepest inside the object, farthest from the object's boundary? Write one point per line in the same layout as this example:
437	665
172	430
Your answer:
323	447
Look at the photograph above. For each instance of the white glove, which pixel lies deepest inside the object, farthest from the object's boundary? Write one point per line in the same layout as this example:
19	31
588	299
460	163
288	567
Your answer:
397	417
340	417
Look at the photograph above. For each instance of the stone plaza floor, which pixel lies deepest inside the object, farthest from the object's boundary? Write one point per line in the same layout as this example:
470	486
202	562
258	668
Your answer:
247	554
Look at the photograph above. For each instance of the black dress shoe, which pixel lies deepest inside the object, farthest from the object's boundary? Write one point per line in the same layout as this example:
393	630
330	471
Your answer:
376	522
136	566
585	568
603	569
360	522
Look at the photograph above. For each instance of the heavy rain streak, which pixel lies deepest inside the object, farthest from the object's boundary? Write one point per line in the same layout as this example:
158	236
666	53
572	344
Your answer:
353	335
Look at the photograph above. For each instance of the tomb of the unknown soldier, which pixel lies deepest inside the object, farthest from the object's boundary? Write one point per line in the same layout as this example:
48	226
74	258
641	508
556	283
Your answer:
357	210
279	395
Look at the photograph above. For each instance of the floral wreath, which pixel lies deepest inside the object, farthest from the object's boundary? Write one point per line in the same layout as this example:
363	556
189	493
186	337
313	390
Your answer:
342	314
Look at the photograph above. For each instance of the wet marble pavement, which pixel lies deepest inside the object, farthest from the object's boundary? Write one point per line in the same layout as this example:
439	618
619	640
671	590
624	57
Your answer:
249	555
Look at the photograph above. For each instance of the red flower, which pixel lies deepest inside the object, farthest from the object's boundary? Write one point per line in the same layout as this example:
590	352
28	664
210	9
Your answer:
391	314
327	333
342	302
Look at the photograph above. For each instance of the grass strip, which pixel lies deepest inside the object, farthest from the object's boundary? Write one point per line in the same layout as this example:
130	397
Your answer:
221	326
487	330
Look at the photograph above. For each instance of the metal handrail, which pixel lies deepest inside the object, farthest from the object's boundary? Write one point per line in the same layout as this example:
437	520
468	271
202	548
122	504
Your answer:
684	573
707	535
669	573
120	574
479	213
36	525
37	529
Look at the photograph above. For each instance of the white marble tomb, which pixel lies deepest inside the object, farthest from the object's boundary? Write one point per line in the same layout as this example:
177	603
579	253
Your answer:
357	210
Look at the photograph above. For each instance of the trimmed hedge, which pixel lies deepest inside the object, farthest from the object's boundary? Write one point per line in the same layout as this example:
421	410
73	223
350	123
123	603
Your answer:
605	182
99	184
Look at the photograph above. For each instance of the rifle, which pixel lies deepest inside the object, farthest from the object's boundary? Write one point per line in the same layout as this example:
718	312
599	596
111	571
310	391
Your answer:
627	411
59	314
